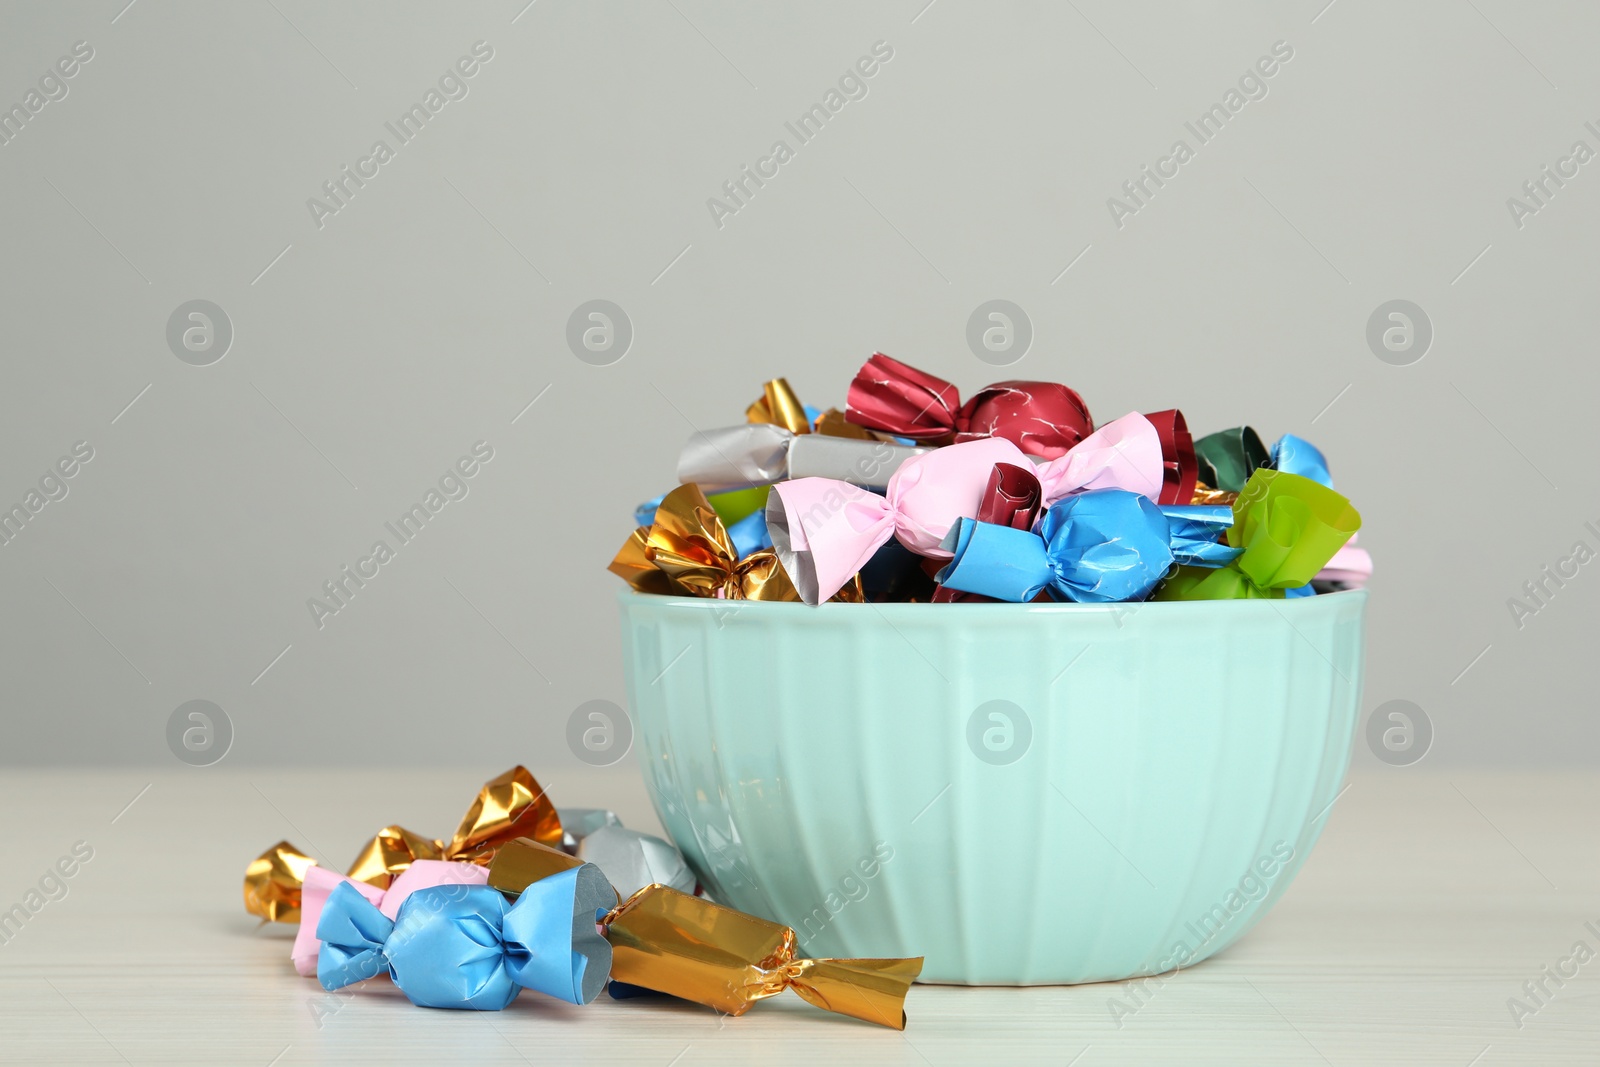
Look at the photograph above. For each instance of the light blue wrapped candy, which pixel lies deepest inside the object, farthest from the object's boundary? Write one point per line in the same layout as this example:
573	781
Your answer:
645	513
1098	547
1195	533
748	534
1296	455
461	946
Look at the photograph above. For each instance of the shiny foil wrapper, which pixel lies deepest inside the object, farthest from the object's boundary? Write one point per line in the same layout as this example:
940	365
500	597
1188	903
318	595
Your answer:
1288	527
524	861
1043	419
1204	494
834	423
507	807
272	883
632	860
1180	466
390	851
687	552
780	407
1012	498
758	454
578	823
688	947
1228	458
510	806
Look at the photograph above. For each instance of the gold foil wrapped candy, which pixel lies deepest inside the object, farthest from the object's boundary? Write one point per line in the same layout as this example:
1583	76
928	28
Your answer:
687	552
522	862
510	806
780	407
1204	494
686	946
272	883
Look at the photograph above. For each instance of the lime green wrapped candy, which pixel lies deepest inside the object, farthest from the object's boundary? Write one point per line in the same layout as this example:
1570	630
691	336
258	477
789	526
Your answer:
1289	528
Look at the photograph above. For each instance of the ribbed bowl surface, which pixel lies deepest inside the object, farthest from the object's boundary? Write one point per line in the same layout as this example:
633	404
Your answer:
1023	794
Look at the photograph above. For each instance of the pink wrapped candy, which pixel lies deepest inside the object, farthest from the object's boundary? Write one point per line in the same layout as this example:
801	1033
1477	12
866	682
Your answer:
824	530
1351	566
320	882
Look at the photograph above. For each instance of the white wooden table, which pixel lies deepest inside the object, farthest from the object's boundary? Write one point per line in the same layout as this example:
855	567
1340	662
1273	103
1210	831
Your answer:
1430	901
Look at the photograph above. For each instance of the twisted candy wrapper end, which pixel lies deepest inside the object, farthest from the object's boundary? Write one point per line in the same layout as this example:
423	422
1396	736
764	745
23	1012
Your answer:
272	883
995	561
780	406
1288	527
632	860
1098	547
319	883
758	454
1196	534
896	398
1125	454
1296	455
825	530
1011	499
688	552
731	506
458	946
833	423
1227	458
389	852
819	547
511	805
1351	566
1180	467
578	823
1042	419
691	948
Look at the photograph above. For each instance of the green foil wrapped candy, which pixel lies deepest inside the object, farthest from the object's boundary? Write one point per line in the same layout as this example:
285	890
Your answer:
1227	458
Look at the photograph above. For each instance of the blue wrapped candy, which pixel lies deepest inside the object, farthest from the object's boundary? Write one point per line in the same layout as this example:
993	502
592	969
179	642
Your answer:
1195	533
748	535
1296	455
1098	547
461	946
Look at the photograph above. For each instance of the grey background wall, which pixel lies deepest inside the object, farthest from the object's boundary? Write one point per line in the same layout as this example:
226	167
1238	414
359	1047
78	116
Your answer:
371	348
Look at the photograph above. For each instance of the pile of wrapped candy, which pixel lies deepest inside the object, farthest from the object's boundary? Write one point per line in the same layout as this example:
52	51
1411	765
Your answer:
524	896
911	495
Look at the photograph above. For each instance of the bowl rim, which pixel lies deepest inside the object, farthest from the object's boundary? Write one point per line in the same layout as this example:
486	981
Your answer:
715	605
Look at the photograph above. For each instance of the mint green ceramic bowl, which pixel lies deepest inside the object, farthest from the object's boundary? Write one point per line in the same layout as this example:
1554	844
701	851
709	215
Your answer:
1023	794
